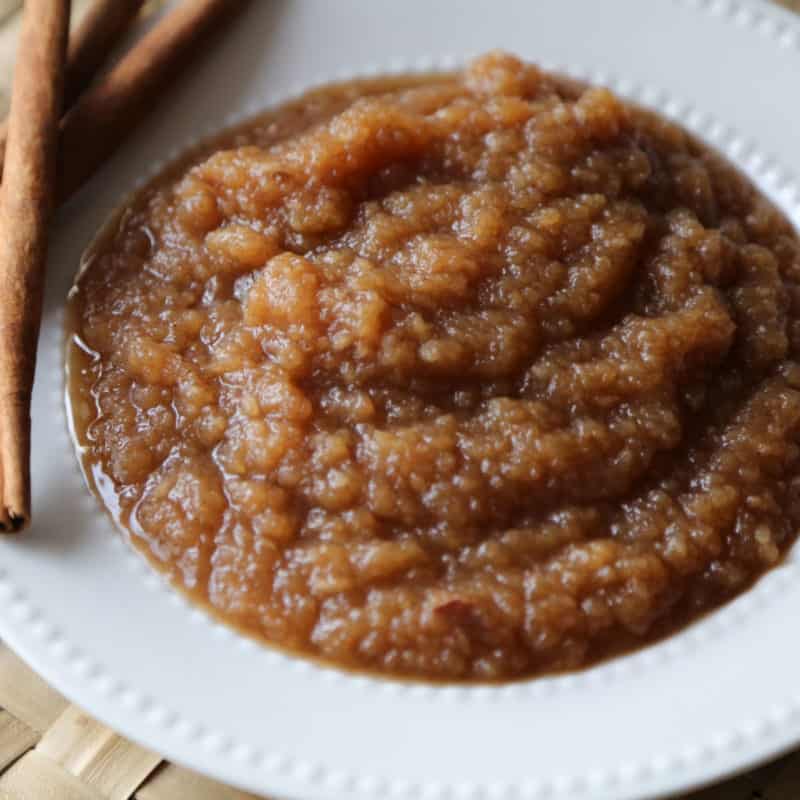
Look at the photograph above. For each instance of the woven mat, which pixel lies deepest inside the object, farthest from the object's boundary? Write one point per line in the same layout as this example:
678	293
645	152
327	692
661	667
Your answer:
51	750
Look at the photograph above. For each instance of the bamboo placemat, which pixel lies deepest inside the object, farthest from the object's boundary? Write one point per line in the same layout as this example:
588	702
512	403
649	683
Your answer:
51	750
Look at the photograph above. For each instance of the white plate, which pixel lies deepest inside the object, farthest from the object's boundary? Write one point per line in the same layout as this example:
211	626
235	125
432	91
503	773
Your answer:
93	619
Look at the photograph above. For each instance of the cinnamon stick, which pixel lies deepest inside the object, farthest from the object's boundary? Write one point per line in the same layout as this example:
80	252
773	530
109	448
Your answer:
107	112
26	199
101	28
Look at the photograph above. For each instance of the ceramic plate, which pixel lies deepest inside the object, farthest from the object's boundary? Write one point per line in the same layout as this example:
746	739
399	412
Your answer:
95	621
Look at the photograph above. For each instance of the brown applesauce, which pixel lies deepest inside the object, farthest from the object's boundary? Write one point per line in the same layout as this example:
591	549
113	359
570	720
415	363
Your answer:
470	376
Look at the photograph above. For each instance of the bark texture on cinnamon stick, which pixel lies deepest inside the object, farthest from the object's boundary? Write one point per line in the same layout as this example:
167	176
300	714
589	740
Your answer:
106	113
26	200
89	46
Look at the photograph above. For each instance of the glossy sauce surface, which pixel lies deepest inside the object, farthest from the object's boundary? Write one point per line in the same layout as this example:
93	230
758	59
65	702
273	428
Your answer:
475	376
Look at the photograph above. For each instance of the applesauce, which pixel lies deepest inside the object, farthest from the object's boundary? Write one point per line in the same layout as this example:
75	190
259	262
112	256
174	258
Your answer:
470	376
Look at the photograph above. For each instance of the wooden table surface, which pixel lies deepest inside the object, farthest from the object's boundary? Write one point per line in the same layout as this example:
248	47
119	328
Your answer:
50	750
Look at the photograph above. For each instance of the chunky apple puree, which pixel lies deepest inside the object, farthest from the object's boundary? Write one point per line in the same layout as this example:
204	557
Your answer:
472	376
